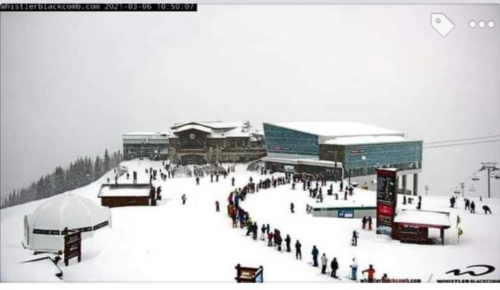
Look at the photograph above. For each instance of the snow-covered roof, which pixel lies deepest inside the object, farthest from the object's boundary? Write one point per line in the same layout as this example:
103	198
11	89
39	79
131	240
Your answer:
145	134
237	132
124	191
337	128
213	125
423	217
193	127
365	140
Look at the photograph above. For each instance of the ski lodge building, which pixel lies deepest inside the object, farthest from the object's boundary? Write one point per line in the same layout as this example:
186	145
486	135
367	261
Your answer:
153	145
207	142
341	150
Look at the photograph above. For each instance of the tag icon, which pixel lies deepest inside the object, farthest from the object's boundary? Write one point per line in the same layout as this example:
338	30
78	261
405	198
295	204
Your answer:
441	24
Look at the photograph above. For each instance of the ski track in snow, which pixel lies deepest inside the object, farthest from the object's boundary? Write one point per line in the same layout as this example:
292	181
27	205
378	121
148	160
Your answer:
192	242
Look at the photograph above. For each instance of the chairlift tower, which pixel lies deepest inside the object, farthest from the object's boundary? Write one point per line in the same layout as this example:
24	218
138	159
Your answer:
489	166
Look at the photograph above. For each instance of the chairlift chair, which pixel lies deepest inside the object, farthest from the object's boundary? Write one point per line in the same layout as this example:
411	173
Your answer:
475	178
457	191
472	188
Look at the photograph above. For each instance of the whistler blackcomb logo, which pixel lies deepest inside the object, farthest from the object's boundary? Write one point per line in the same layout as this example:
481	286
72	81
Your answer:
488	269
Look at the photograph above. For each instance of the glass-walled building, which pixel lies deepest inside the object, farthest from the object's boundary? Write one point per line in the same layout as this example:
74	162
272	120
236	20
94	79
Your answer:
152	145
354	149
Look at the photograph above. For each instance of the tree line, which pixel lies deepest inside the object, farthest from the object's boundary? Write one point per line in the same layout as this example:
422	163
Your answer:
79	173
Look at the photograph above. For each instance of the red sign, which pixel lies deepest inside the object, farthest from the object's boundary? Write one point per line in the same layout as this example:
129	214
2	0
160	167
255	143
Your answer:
385	209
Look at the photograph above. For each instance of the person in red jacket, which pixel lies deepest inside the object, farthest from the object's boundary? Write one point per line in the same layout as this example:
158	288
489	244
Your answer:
371	272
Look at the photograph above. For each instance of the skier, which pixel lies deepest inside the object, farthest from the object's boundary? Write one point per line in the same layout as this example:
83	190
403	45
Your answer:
335	266
298	252
354	269
287	241
371	272
279	240
472	207
315	253
404	199
486	209
324	262
458	220
364	221
452	202
292	207
263	232
232	181
369	223
184	199
385	279
354	238
268	229
217	206
197	181
467	204
211	177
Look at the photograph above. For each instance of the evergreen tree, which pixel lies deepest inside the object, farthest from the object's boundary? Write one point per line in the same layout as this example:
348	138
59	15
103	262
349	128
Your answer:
107	161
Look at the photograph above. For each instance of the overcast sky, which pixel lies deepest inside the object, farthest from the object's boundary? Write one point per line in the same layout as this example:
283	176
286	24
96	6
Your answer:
72	83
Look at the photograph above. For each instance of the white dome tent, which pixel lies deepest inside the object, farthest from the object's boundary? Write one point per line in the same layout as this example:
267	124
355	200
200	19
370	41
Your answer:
43	229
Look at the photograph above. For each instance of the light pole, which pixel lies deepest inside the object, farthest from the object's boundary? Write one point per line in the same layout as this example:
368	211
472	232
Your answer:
489	166
426	189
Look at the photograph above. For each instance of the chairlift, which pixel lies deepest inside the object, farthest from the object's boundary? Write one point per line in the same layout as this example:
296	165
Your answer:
475	178
472	188
457	191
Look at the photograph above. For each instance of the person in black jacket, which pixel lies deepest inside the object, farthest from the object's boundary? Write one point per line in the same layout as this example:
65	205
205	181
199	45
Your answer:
315	254
486	209
472	207
288	240
335	266
254	230
298	251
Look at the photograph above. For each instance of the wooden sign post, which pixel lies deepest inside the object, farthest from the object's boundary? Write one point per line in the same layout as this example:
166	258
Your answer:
72	245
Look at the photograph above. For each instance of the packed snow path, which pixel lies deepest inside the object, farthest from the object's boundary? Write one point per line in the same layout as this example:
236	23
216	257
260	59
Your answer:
192	242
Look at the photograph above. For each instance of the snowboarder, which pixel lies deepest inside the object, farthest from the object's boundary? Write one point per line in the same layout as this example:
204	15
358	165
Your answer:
335	266
217	208
315	254
363	222
472	207
486	209
287	241
324	262
354	269
371	272
354	238
292	207
184	199
369	223
298	251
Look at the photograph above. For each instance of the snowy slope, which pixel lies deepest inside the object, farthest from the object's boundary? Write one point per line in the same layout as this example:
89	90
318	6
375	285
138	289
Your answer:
172	242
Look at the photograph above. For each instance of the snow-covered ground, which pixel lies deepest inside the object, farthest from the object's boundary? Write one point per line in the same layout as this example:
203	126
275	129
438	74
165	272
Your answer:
192	242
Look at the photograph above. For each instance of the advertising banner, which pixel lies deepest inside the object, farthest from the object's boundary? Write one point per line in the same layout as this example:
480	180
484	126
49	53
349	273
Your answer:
386	200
